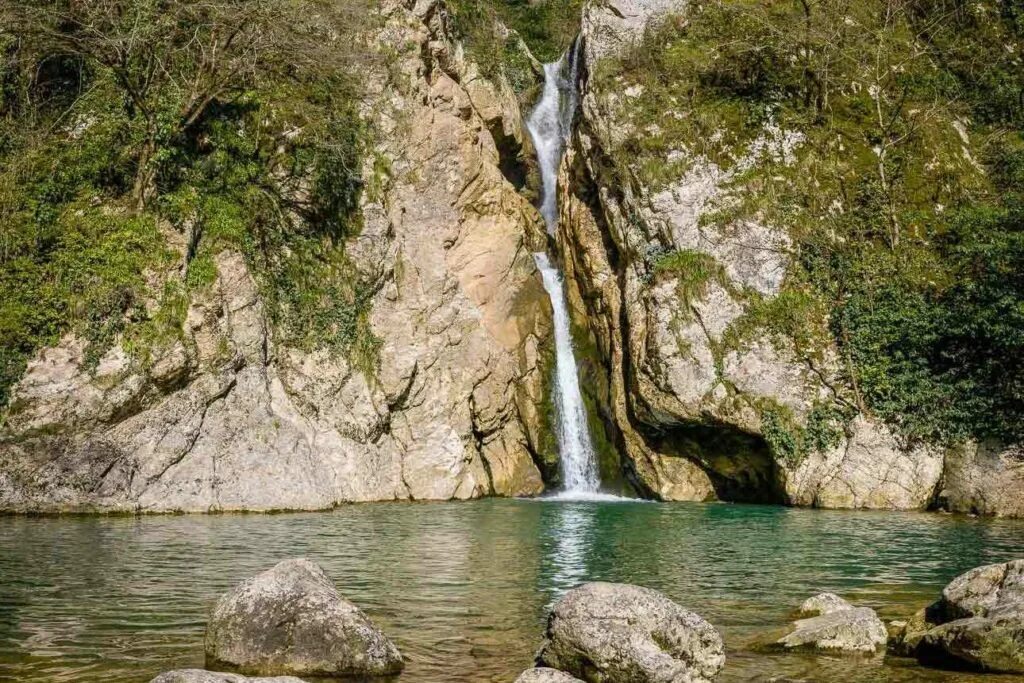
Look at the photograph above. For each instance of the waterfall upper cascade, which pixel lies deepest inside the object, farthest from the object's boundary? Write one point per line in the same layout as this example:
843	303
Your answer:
550	124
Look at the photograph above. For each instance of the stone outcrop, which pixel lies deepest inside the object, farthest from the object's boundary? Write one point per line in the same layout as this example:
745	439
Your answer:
292	620
978	623
629	634
870	469
984	479
691	380
542	674
201	676
225	417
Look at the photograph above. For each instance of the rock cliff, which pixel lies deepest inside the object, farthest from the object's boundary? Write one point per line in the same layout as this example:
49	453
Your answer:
228	418
676	302
703	397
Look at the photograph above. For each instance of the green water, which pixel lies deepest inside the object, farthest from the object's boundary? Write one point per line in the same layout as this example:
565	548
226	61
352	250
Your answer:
463	587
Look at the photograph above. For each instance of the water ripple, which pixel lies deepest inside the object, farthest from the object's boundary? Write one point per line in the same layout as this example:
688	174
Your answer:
464	587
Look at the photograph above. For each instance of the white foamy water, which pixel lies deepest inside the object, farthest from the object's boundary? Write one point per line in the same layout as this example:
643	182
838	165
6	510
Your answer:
579	465
550	124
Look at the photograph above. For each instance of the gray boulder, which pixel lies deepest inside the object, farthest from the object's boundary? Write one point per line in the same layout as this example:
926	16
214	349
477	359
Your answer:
992	591
979	621
543	674
854	629
823	603
202	676
292	620
602	632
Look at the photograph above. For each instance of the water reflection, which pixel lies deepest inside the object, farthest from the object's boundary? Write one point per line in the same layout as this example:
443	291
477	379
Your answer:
568	548
464	588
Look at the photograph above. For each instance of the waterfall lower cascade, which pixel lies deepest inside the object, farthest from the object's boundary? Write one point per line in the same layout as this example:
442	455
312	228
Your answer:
550	124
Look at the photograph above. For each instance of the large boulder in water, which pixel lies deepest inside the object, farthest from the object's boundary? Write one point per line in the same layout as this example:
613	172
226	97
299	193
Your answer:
854	629
543	674
611	632
979	621
823	603
292	620
202	676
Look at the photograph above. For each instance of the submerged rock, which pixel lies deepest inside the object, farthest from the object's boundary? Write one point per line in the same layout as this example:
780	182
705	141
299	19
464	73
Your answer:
854	629
823	603
604	632
202	676
292	620
543	674
831	623
978	622
906	634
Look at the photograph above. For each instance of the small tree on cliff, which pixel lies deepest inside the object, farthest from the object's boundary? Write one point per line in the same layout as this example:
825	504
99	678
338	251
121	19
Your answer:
173	59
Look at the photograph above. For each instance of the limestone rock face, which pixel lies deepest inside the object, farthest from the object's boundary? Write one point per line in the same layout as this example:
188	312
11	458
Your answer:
853	629
628	634
291	620
228	418
985	479
201	676
869	469
543	674
693	376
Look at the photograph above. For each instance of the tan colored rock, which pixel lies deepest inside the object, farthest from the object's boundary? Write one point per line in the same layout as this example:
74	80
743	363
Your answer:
855	630
543	674
868	470
984	479
291	620
228	419
620	632
823	603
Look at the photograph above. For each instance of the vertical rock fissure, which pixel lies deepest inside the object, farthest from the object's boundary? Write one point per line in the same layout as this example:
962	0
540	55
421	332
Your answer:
550	124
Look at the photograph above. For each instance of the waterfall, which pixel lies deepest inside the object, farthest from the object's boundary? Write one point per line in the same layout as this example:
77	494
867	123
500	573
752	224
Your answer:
550	124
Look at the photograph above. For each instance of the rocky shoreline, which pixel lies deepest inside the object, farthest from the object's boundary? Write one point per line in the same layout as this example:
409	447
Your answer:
291	621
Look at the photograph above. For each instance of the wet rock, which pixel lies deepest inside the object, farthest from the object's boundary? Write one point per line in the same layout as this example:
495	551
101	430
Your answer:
850	629
292	620
905	635
543	674
823	603
202	676
979	621
629	634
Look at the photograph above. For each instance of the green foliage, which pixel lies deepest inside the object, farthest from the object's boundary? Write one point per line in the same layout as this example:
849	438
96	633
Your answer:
547	27
944	360
902	196
796	316
259	152
693	271
790	442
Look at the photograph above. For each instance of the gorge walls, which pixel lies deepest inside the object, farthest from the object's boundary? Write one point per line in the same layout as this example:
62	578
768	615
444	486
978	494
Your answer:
709	364
229	418
706	395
